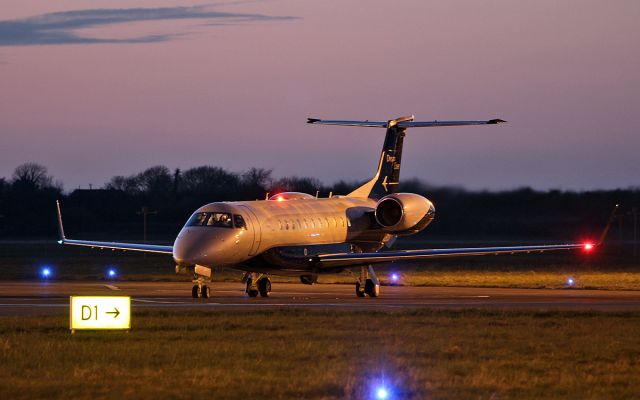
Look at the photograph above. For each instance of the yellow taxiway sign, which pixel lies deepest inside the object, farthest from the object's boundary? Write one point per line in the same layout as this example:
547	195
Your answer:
100	312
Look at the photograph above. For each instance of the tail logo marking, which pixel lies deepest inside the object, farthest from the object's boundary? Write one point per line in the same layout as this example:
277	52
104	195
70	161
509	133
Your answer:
385	183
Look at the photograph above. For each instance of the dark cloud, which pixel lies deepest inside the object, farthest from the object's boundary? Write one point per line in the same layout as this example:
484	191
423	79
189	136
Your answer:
60	27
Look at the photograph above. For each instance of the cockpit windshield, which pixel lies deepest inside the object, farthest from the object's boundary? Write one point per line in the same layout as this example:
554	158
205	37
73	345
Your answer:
222	220
238	221
217	219
214	219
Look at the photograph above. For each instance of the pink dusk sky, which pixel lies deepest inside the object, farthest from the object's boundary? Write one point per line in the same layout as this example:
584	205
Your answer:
93	89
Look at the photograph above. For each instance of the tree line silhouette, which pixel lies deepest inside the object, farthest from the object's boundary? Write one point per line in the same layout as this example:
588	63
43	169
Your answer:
27	204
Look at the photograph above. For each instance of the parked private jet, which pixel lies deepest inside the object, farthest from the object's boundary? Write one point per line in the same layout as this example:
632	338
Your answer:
286	234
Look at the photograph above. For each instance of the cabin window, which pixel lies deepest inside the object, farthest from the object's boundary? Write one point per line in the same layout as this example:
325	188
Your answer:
238	221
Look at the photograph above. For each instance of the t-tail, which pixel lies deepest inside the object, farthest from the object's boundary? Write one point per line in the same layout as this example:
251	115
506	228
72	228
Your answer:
387	177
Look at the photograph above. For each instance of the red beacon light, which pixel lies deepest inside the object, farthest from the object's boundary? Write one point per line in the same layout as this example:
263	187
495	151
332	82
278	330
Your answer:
588	247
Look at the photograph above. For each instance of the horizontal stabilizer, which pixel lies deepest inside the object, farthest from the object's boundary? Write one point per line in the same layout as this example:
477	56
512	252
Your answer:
370	124
387	177
401	123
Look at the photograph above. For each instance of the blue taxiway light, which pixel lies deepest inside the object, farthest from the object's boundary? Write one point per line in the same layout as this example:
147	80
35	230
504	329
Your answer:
395	277
45	272
111	273
382	393
570	281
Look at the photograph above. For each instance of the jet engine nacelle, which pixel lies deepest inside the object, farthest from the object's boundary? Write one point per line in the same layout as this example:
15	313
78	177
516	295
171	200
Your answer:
404	213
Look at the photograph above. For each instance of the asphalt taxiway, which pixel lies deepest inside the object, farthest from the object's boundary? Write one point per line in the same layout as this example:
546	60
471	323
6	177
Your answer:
27	298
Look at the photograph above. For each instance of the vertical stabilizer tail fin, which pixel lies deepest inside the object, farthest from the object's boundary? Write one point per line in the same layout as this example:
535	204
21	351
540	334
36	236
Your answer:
387	177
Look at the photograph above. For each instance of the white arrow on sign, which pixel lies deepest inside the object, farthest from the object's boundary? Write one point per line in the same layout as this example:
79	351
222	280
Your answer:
100	312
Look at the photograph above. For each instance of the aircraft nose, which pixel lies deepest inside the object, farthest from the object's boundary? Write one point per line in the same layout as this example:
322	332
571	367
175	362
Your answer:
203	246
186	249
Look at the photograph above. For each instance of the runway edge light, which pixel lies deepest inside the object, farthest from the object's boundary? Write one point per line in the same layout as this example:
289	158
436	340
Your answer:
99	313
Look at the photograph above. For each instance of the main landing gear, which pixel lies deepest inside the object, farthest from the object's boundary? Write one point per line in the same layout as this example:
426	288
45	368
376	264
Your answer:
367	283
258	284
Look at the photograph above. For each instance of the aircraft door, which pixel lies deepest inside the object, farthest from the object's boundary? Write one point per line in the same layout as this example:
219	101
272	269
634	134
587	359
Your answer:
255	227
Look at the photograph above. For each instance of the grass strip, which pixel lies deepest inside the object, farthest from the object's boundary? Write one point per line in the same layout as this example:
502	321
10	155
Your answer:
327	354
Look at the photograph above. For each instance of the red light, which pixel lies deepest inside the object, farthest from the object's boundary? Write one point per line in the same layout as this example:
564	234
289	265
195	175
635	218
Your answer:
280	198
588	246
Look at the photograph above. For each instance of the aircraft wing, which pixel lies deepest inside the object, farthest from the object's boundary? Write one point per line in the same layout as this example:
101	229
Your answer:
145	248
355	259
340	260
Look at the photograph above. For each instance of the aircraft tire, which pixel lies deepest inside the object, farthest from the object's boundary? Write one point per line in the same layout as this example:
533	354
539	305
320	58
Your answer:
194	292
359	293
264	287
206	292
250	292
371	288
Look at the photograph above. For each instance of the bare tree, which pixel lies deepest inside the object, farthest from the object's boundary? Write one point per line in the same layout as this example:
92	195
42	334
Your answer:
32	175
257	178
207	179
156	179
297	184
128	184
255	183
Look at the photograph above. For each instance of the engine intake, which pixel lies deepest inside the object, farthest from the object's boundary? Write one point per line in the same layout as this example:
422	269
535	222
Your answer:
404	213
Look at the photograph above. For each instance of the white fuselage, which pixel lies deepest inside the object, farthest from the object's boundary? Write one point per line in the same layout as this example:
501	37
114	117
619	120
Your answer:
272	224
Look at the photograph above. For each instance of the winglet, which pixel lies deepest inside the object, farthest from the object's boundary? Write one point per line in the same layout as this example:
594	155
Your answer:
61	237
612	216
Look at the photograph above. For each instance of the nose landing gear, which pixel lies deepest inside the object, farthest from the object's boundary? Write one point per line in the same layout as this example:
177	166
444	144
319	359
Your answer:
202	276
201	291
